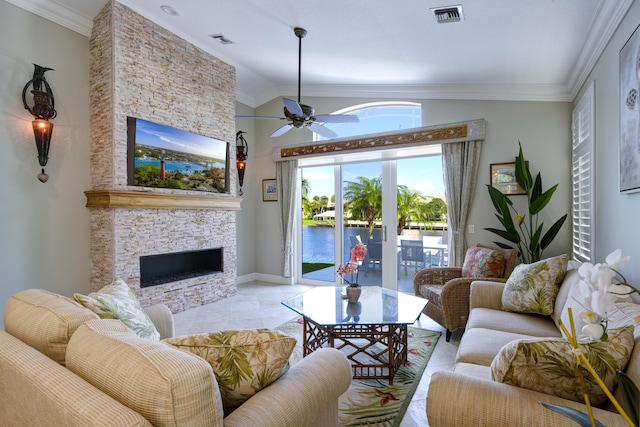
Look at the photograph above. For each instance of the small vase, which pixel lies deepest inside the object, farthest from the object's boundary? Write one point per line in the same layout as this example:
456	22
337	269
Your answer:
353	293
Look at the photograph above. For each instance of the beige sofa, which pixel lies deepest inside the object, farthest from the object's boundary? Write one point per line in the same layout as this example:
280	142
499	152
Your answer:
469	397
123	380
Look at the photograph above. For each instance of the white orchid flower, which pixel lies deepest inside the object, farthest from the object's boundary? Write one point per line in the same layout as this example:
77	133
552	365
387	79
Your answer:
595	331
615	259
602	303
585	271
589	317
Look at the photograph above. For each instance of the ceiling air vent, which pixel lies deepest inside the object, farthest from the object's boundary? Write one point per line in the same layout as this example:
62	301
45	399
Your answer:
447	14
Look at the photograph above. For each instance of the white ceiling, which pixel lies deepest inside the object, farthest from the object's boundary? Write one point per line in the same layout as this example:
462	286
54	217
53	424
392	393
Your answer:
503	49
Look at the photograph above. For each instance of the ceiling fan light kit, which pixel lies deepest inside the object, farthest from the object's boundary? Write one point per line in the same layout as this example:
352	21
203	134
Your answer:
301	115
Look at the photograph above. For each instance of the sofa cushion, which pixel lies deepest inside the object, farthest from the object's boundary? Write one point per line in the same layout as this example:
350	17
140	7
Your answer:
117	301
533	325
244	361
480	346
44	320
566	296
532	288
549	365
483	262
163	384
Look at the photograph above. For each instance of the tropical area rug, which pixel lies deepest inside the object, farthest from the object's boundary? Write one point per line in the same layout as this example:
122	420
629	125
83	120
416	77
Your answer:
375	403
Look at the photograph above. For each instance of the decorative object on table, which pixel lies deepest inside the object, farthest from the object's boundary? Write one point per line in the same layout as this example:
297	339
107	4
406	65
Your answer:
353	290
528	237
601	286
242	152
374	402
354	310
269	190
503	177
628	154
43	109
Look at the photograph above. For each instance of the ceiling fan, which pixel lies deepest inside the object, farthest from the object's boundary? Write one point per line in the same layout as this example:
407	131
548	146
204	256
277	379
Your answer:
300	115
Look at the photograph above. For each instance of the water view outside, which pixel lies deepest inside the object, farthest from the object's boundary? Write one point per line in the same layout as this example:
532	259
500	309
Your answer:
321	242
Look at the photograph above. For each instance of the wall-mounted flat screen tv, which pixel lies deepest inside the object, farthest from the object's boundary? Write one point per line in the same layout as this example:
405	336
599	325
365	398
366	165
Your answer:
161	156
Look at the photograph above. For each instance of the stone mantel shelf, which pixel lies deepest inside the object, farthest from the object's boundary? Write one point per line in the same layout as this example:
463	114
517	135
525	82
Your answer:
147	200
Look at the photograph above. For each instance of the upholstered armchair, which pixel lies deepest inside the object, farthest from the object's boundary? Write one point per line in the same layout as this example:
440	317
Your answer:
447	288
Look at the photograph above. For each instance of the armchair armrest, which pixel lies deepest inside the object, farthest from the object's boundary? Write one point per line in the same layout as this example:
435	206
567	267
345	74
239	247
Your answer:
306	395
462	400
435	276
486	293
162	318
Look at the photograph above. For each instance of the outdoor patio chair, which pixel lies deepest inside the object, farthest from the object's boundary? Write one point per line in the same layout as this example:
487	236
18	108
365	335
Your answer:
374	255
448	288
412	253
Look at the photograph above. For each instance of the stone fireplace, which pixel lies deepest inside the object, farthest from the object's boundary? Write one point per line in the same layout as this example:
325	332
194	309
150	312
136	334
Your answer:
139	69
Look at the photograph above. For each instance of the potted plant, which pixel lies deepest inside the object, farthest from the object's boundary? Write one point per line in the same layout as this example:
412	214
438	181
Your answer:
527	233
353	290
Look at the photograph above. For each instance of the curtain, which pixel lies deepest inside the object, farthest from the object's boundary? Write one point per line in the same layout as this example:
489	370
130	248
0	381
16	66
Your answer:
287	188
460	164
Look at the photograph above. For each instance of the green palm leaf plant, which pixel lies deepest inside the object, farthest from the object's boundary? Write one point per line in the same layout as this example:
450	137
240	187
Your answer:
526	234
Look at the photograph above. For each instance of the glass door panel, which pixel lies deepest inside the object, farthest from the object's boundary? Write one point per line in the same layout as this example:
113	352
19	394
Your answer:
421	226
362	218
318	223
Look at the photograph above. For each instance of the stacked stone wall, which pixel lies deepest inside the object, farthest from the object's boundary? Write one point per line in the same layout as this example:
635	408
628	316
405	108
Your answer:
142	70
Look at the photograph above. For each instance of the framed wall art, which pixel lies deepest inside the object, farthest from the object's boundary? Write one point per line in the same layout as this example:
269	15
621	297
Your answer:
269	190
503	177
628	154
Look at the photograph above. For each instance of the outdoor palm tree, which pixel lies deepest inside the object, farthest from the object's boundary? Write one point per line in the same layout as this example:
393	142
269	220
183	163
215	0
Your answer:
409	203
431	211
364	200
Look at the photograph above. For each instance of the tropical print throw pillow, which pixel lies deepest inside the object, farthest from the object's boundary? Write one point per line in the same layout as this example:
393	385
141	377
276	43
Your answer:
483	262
117	301
548	365
532	288
244	361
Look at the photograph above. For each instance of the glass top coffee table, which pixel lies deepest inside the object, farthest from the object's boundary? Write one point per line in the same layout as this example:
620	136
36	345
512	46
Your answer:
371	332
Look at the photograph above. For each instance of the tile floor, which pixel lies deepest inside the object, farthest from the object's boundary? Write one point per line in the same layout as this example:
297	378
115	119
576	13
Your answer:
257	305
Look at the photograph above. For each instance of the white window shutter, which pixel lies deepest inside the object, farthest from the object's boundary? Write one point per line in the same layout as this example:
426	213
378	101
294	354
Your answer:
582	172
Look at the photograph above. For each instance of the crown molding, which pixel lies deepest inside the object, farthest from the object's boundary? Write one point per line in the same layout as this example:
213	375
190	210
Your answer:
608	18
58	14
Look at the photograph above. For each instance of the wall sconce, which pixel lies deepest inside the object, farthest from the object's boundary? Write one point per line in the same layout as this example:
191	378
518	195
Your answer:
43	109
242	151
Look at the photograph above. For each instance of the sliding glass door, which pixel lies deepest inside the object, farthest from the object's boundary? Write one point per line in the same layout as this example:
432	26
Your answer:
395	207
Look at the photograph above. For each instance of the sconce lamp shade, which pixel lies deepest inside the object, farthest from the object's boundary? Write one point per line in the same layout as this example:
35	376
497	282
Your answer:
42	129
242	152
43	109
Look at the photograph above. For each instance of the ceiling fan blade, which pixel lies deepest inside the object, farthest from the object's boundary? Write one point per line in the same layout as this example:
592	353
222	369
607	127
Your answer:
321	130
261	117
281	131
336	118
292	106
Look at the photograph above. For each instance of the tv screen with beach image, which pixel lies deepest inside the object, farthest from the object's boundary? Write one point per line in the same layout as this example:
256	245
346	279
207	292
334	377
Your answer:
165	157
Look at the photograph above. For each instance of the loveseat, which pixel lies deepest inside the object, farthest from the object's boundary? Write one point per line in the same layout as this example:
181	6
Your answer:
468	396
61	365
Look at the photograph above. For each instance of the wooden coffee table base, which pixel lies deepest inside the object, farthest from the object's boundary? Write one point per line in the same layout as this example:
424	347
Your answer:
375	351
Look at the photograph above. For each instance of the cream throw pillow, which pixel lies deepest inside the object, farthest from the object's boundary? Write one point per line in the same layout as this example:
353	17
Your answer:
244	361
166	386
532	288
548	365
117	301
